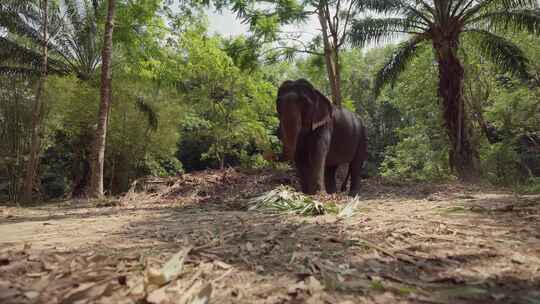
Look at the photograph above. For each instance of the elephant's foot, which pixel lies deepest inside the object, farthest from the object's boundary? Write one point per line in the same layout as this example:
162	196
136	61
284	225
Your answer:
313	190
331	187
354	192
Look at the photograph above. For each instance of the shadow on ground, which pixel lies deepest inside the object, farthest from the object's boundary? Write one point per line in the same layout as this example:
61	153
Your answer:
448	243
484	257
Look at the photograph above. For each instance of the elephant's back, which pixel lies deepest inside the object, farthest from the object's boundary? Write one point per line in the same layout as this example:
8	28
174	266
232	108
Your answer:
347	134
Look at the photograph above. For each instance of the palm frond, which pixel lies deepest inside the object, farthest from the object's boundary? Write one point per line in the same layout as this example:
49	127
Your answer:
381	6
420	11
73	38
397	62
417	10
13	52
501	51
516	20
458	5
380	30
511	4
16	5
27	24
16	24
72	11
285	200
499	5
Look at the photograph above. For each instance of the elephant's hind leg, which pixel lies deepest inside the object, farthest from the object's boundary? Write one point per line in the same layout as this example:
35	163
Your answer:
356	170
330	179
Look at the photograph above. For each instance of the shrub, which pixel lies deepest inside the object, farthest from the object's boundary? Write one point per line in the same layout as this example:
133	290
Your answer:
255	161
414	159
162	166
500	163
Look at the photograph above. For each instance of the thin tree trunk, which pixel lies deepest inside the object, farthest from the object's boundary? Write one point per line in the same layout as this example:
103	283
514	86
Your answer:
463	156
113	169
35	145
98	149
331	58
222	163
335	83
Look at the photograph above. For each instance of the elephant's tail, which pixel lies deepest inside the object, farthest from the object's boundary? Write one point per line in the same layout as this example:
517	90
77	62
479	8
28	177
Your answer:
344	185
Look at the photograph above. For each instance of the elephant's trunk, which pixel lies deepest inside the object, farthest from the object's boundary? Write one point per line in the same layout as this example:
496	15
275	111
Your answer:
291	130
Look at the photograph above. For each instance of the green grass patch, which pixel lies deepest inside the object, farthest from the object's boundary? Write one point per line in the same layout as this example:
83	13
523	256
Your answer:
405	291
377	286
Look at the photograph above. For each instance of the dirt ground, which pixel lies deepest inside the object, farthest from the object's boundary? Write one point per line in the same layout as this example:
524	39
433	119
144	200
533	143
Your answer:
422	243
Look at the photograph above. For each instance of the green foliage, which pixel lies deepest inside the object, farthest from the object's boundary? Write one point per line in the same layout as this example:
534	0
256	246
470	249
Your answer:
232	109
500	163
531	186
397	63
244	53
55	175
349	105
505	108
255	161
443	25
15	122
74	44
415	159
496	102
438	21
186	100
161	167
142	131
421	153
189	99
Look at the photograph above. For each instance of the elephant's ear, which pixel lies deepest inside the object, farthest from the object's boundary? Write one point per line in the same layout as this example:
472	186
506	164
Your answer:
322	110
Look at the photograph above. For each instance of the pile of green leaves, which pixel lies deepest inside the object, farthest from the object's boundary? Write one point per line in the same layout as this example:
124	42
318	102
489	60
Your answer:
285	200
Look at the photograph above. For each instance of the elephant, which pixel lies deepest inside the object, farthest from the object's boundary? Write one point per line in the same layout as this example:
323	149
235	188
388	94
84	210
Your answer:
319	137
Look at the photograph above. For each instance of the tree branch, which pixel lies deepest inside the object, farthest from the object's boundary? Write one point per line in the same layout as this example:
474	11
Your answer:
347	19
293	49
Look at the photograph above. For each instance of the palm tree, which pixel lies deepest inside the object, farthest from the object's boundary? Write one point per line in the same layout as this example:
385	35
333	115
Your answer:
443	23
66	33
35	143
98	148
73	44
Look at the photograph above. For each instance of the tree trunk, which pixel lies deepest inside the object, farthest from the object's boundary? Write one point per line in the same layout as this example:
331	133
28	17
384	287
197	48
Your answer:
335	78
331	59
463	156
98	149
35	145
222	163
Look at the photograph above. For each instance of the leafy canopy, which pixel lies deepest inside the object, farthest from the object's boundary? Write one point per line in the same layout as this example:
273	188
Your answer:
443	21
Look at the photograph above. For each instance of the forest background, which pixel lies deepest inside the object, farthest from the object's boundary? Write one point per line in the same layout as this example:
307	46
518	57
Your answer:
185	98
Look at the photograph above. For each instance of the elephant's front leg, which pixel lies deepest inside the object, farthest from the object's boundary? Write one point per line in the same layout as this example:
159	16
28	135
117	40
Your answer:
330	179
356	169
318	149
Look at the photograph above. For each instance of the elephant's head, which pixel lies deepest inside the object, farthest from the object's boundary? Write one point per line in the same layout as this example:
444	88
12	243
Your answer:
301	109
